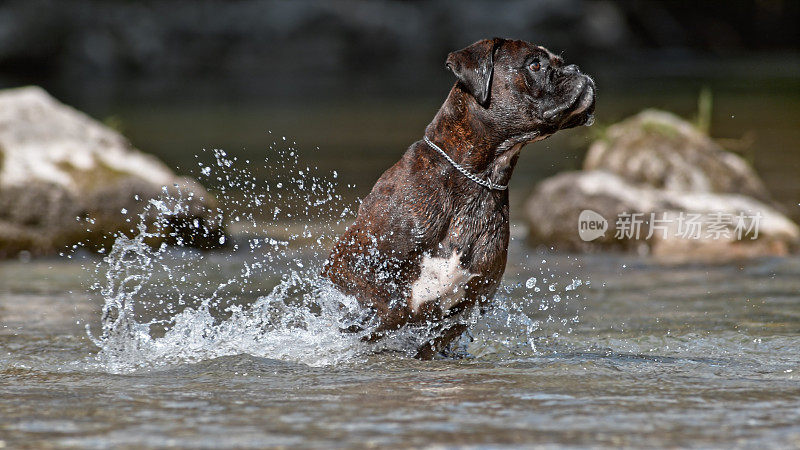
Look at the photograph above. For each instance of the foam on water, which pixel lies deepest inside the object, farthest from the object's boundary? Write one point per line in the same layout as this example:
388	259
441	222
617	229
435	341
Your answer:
264	297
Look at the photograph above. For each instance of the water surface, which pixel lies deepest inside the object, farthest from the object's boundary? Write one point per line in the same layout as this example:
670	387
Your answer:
632	354
659	356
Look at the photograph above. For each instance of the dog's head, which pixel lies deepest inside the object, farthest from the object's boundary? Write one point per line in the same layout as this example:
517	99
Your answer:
523	88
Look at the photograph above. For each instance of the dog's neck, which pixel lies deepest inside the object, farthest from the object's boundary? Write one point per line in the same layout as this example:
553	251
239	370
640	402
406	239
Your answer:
473	144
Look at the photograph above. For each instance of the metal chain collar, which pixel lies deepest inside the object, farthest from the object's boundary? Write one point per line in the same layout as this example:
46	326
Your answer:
471	176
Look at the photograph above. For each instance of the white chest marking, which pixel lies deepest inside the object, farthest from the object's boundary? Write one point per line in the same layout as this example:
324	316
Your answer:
441	279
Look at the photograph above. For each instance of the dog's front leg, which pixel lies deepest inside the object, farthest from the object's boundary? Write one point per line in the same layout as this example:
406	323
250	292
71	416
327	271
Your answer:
429	349
392	318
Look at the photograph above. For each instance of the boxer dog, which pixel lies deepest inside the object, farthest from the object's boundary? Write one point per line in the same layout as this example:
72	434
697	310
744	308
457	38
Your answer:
430	241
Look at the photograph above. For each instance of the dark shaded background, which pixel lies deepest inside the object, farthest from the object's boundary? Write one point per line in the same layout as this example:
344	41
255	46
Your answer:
361	79
118	51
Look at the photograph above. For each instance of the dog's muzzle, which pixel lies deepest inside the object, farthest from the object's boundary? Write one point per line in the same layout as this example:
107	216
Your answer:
578	107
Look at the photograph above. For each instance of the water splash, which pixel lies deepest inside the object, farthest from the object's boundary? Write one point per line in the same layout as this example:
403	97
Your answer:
172	304
530	313
264	297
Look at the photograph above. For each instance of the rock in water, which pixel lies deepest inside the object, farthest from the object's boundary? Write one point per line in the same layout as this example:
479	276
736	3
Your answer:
663	188
62	172
661	150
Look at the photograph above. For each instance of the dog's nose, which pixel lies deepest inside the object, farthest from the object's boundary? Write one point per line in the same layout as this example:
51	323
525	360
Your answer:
572	68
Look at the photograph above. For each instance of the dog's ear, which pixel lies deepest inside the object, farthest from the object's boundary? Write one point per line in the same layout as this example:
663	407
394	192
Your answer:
473	66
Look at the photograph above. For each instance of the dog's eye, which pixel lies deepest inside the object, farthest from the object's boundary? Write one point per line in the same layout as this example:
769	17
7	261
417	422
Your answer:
535	65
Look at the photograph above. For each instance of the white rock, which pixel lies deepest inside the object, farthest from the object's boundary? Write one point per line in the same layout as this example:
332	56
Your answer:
57	163
656	163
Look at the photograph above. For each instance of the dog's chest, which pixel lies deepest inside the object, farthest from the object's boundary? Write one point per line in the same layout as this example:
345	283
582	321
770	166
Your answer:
440	279
471	249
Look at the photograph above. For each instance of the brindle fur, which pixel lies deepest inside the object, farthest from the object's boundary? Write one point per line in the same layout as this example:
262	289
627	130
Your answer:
423	206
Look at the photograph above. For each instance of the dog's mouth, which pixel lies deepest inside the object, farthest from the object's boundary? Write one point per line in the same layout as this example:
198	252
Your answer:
578	109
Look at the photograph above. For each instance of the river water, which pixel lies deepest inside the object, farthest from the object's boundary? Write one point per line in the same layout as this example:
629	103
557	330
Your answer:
241	348
658	356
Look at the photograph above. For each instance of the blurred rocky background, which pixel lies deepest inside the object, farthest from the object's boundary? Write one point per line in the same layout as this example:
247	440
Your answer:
353	83
666	189
92	50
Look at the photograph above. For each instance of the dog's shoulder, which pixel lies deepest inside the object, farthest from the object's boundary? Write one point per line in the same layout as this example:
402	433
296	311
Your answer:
408	181
406	199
